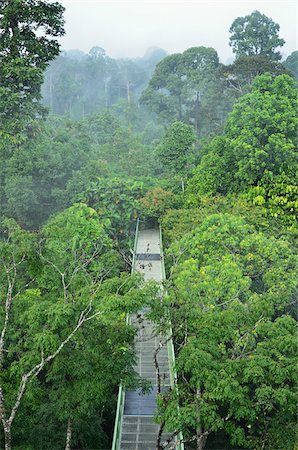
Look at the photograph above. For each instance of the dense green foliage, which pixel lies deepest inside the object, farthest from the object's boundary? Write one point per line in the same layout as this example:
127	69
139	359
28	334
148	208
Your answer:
27	43
232	291
71	188
255	34
258	153
67	273
291	64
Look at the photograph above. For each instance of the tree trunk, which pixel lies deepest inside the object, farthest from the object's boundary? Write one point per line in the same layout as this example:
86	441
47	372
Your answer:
128	92
197	113
201	441
7	436
201	435
68	435
51	90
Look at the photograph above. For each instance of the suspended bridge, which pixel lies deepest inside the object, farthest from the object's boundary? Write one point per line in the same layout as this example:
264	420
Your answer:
135	428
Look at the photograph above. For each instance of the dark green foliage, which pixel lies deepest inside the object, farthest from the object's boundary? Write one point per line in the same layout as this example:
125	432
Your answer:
176	149
291	64
187	87
27	43
240	75
255	34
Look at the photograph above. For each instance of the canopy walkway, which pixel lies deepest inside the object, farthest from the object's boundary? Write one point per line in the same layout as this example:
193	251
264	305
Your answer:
135	428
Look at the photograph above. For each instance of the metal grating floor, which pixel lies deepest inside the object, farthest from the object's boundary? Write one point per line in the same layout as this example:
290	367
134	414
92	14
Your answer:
139	431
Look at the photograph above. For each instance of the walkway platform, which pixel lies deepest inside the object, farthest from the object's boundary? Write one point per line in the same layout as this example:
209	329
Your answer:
139	431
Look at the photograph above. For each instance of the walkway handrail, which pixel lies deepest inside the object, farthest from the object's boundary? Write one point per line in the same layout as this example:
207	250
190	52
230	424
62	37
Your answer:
121	392
118	420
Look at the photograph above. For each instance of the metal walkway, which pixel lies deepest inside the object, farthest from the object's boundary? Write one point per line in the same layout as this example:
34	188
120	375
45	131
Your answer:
135	428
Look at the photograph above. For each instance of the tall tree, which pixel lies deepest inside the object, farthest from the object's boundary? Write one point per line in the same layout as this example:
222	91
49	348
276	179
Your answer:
28	32
255	34
240	75
185	87
259	139
175	150
259	149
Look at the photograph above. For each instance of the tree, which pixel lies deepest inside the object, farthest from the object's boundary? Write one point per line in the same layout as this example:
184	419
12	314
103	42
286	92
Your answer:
27	43
184	87
255	34
262	129
26	357
163	94
291	64
62	305
259	144
175	150
231	312
156	202
115	200
240	75
213	174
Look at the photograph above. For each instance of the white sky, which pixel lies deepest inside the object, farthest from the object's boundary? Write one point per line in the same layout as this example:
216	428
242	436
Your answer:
127	28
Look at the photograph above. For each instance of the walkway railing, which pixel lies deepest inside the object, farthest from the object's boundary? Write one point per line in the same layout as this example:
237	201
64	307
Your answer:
121	392
119	418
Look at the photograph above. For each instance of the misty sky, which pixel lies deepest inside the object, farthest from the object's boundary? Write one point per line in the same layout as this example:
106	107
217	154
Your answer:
127	28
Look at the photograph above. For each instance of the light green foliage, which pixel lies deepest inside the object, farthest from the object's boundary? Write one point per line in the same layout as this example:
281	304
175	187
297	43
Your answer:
279	195
53	278
232	290
259	144
178	222
262	129
79	249
255	34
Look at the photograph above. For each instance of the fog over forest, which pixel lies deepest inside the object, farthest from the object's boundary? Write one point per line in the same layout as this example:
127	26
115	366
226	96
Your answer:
125	29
